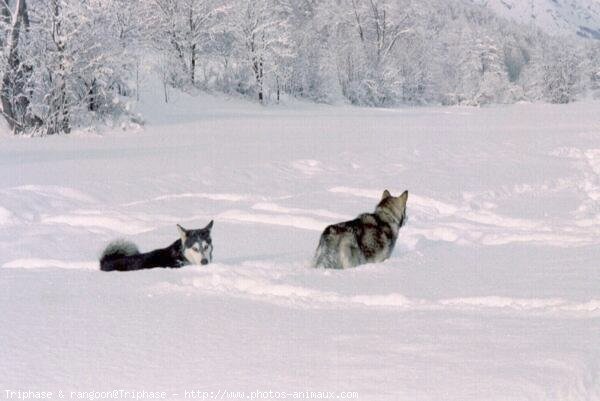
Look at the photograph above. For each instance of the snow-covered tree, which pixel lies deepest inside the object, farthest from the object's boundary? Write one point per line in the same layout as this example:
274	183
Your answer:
562	77
16	69
79	62
261	33
183	30
364	37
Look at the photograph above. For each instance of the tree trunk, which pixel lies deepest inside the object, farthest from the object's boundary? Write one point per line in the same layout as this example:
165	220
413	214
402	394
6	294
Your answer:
12	90
59	116
92	106
193	65
193	47
137	80
260	78
165	89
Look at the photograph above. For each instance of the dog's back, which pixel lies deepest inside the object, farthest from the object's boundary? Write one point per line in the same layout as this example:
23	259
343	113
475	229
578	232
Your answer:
369	238
365	239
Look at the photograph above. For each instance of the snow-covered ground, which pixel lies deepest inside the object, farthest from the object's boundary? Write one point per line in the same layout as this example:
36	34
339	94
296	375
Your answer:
492	293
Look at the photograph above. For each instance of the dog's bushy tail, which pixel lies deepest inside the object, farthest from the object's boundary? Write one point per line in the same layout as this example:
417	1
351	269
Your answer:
115	250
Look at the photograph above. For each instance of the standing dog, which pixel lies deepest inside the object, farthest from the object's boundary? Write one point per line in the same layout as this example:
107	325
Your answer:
369	238
194	247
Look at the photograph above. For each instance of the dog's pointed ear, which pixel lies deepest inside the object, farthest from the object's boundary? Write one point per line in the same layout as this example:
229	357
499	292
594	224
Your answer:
182	232
403	198
386	194
209	226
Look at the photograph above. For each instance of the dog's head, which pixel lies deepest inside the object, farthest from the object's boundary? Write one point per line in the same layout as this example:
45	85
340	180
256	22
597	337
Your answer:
394	205
197	244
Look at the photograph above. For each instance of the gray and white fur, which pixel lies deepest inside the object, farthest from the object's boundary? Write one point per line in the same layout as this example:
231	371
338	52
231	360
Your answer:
370	238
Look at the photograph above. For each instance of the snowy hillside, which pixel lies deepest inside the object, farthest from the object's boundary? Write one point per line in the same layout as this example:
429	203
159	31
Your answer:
491	294
557	17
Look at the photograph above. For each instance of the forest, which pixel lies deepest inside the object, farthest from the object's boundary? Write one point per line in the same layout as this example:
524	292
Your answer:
76	63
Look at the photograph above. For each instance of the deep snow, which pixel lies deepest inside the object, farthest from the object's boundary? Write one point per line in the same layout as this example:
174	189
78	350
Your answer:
492	292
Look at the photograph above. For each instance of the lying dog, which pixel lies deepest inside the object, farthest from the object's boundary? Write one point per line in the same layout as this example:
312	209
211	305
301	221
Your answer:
194	247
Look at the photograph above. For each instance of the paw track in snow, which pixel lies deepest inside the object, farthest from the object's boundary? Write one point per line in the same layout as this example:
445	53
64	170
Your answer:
272	207
464	225
6	217
189	195
257	282
103	220
308	167
50	263
27	202
58	192
288	220
588	184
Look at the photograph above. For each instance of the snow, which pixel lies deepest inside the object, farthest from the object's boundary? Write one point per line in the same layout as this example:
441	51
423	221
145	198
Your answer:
491	293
